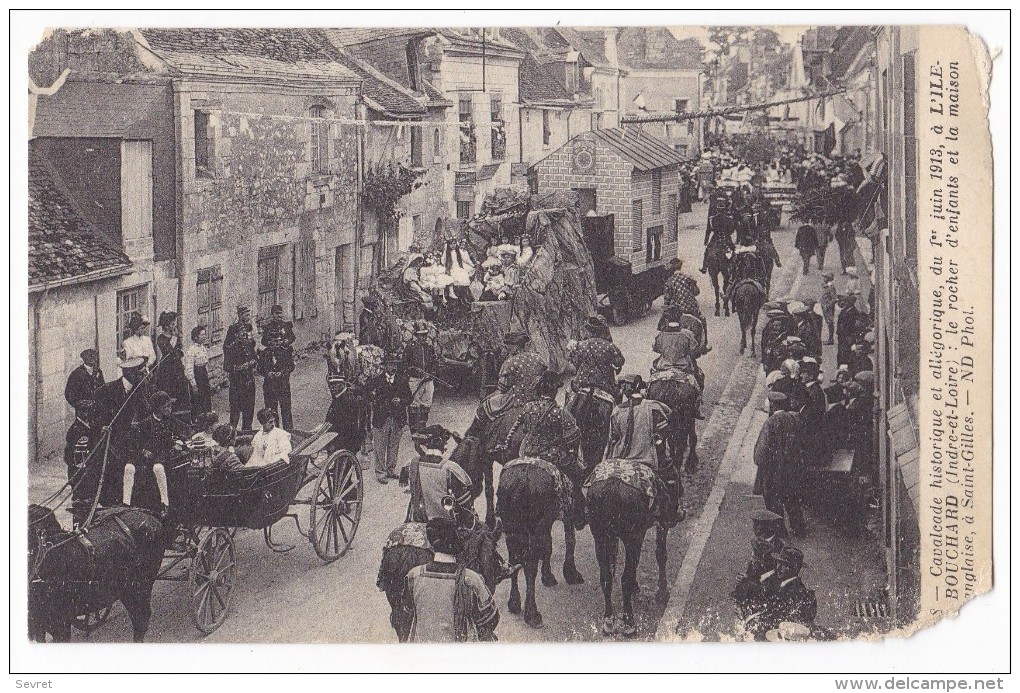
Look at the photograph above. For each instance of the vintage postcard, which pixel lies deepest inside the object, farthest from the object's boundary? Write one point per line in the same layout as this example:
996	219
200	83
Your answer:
506	333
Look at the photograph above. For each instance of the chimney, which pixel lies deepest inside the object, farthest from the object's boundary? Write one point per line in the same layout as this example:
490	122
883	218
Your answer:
610	47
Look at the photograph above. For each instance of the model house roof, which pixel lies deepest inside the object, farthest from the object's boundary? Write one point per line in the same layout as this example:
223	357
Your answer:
640	149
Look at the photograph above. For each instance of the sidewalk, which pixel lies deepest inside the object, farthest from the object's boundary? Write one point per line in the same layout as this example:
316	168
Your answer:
843	568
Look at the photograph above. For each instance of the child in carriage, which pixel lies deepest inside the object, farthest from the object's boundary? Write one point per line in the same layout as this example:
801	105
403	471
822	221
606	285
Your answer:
156	436
271	443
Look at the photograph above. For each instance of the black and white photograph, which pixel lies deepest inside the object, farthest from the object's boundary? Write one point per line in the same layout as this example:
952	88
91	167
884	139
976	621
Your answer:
503	333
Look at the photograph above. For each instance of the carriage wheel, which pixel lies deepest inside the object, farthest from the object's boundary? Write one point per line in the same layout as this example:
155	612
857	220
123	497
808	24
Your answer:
212	580
336	506
89	622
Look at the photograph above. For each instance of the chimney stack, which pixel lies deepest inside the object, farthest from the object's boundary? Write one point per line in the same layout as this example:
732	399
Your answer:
610	47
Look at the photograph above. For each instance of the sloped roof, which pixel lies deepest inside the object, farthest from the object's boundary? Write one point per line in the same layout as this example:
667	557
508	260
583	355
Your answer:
536	84
655	48
380	90
590	44
849	42
270	52
62	246
355	36
640	149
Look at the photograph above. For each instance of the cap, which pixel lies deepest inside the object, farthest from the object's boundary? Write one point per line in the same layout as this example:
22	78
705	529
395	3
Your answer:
775	313
160	399
241	309
596	322
797	307
630	379
777	397
434	437
790	340
852	271
772	377
89	353
865	378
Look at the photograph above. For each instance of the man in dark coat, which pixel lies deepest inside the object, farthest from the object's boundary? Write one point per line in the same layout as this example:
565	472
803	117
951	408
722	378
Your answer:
277	331
82	438
368	331
391	396
420	363
119	405
769	532
243	320
784	596
239	363
851	326
806	244
84	380
779	458
812	412
275	364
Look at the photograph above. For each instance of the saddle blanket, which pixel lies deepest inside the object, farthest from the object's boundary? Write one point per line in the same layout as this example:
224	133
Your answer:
563	484
408	534
676	375
634	474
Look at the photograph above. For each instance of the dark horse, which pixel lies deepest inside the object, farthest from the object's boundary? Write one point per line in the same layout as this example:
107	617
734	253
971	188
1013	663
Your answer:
71	576
748	298
717	265
528	504
620	512
480	555
682	398
592	414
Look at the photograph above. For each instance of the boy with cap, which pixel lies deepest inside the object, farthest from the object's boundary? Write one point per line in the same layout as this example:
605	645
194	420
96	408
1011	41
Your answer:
445	601
784	596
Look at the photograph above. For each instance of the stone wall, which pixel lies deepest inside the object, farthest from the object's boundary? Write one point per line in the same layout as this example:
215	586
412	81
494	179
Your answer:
260	192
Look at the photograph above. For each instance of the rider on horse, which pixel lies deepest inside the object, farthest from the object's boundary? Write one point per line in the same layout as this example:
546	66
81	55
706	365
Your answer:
680	296
431	479
637	435
679	348
719	232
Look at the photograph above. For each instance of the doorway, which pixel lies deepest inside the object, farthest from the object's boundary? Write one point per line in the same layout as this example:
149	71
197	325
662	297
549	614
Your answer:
344	303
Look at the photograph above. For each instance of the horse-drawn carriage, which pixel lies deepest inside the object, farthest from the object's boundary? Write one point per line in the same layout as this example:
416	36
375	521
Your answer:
622	294
196	545
212	505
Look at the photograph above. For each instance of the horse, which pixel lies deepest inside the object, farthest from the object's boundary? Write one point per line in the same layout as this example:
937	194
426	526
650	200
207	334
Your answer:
500	442
592	414
408	548
529	503
717	264
682	399
769	257
72	575
748	298
618	511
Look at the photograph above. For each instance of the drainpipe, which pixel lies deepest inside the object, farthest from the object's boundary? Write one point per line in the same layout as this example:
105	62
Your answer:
359	223
520	133
37	363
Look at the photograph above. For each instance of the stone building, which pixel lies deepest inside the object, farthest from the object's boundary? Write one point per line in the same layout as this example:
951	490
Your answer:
627	173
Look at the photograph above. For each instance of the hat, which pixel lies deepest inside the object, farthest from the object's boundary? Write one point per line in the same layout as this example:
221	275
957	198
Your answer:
137	320
89	353
790	555
434	437
241	309
797	307
516	338
596	322
632	379
773	305
766	523
775	313
788	631
421	327
791	340
160	399
441	533
133	363
772	377
765	516
777	398
854	389
852	271
276	309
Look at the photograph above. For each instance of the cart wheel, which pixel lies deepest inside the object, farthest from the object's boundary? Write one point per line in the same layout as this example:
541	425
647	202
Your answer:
89	622
212	580
336	506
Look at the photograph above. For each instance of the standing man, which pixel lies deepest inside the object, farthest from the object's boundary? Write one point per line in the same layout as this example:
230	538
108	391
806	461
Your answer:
391	396
368	331
806	244
275	364
84	380
828	301
82	438
277	331
239	363
445	601
243	320
779	457
420	360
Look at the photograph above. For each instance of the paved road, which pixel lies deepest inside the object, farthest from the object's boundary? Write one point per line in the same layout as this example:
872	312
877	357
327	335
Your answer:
295	598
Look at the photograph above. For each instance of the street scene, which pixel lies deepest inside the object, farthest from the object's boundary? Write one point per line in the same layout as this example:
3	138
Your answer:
445	335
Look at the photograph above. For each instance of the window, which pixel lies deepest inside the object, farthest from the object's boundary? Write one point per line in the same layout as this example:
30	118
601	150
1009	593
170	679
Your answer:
598	97
671	220
653	250
467	131
681	149
656	192
437	147
203	145
269	279
637	223
497	127
690	126
546	129
210	298
464	209
571	77
909	161
680	105
319	139
416	231
596	121
416	159
129	302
